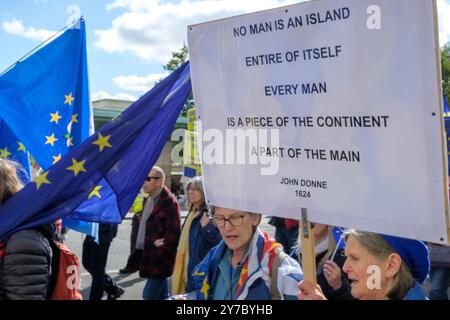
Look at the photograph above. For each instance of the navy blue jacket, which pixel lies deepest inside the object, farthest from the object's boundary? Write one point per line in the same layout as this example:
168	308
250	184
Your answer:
201	240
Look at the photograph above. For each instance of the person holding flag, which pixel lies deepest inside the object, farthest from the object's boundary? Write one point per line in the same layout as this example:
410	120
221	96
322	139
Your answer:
329	249
26	256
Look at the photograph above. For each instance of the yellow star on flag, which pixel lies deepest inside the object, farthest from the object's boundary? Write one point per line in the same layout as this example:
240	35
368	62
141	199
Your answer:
21	147
95	192
56	158
102	142
55	117
4	153
76	167
74	118
51	139
39	180
69	99
205	288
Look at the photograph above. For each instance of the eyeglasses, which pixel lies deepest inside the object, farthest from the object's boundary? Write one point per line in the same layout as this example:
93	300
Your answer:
150	178
234	221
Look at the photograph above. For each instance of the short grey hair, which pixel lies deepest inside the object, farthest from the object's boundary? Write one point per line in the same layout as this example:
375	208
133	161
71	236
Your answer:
159	172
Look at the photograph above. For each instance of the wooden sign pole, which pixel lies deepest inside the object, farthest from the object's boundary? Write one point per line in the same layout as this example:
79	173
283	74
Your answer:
308	250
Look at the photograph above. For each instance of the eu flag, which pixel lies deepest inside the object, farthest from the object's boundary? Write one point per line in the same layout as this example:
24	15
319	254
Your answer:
99	180
53	112
45	98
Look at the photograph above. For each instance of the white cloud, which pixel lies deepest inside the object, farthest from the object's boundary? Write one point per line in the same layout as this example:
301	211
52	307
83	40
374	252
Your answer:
133	5
105	95
153	29
444	21
16	27
140	84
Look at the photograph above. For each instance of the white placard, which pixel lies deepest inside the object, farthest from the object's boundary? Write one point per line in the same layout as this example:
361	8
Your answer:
339	103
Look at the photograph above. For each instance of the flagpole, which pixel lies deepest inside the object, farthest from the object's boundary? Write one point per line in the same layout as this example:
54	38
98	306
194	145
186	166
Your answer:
40	45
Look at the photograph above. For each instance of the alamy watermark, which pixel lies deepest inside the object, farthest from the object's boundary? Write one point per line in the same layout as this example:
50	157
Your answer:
250	146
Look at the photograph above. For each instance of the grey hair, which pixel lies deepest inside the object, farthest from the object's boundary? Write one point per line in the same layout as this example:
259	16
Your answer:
159	172
381	249
197	184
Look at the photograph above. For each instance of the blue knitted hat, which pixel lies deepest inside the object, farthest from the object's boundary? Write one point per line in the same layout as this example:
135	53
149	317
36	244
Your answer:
414	254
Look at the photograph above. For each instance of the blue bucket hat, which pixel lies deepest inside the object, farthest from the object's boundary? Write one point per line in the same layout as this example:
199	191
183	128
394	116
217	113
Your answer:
414	254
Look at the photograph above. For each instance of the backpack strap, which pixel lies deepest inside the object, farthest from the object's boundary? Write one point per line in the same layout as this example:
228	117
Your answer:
274	293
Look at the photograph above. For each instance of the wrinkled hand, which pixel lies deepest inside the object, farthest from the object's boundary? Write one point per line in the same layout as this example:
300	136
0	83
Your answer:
204	220
158	243
332	273
309	292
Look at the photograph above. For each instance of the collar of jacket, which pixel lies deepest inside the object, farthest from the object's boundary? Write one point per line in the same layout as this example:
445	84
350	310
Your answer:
163	196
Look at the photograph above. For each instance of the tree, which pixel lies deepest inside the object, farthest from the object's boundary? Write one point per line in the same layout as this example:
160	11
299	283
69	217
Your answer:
178	58
445	62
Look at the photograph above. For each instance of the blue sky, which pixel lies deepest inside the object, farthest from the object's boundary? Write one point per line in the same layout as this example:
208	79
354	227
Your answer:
128	41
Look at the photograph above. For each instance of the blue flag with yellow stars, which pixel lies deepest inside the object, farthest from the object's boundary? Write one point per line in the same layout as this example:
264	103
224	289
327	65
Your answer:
99	180
44	98
45	101
13	149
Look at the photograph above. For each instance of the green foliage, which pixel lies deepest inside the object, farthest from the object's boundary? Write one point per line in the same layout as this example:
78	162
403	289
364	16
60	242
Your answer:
178	58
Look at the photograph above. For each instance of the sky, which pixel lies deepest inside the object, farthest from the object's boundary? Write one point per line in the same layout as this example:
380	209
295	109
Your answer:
128	41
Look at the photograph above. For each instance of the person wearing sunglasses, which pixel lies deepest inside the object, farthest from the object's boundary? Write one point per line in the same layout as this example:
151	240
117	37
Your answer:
158	235
246	264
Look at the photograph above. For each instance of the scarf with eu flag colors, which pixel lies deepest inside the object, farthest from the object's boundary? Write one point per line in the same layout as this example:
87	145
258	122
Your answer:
98	180
255	281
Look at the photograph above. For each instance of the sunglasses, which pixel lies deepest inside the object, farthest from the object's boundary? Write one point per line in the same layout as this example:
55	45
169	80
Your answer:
150	178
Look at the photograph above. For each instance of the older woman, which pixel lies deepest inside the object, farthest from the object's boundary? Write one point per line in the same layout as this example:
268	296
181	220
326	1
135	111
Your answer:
247	264
380	267
26	255
198	236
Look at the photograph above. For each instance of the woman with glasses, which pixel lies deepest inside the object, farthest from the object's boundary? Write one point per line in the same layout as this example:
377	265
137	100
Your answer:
198	236
246	264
